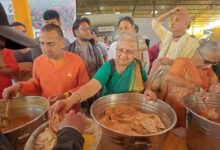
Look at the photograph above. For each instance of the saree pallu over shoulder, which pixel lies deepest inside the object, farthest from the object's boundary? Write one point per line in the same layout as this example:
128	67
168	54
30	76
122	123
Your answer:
137	83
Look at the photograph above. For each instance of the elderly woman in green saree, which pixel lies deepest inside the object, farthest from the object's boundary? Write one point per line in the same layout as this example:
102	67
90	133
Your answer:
124	74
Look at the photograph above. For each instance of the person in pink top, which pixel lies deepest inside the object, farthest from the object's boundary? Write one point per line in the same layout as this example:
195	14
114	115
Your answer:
9	39
153	54
8	67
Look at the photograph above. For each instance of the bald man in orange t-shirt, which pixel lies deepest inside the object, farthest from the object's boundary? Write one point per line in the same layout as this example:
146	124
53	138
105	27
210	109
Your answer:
57	73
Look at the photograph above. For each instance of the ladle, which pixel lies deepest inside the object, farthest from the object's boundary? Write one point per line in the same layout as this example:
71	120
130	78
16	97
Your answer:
5	120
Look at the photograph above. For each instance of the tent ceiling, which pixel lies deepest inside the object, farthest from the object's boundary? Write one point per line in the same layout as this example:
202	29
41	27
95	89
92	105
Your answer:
202	11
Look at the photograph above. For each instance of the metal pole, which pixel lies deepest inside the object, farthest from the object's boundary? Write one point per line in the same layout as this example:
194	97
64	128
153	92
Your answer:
154	8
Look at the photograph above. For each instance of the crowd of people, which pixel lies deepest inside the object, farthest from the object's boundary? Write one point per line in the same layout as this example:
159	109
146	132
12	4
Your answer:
65	10
70	74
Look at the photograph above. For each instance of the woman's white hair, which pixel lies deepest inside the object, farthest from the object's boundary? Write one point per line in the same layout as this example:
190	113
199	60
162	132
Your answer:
209	46
128	37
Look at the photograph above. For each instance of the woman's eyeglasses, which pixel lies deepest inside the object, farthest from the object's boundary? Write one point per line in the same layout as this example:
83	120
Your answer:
126	51
206	62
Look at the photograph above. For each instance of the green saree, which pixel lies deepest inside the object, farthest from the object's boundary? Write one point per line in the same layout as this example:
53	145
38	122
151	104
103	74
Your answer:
131	80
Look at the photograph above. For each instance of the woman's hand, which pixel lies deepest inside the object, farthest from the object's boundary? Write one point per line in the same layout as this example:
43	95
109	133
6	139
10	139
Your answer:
54	98
215	88
201	93
64	105
150	95
60	107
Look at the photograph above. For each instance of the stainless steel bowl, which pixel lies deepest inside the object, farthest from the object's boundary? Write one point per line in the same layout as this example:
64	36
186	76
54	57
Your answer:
94	130
31	106
202	134
117	141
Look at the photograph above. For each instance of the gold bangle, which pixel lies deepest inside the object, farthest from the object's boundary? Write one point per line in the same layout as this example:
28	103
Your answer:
67	94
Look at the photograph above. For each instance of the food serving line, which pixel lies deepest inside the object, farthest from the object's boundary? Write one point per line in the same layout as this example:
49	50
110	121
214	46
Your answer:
202	134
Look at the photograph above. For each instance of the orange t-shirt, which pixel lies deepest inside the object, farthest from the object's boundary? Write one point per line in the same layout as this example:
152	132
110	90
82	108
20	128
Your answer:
49	80
185	68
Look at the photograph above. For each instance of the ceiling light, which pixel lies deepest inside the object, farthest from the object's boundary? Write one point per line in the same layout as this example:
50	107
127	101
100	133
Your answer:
162	6
117	12
195	30
102	8
212	25
88	13
156	11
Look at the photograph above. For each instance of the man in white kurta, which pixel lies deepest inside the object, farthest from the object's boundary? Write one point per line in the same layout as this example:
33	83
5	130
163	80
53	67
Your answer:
176	42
